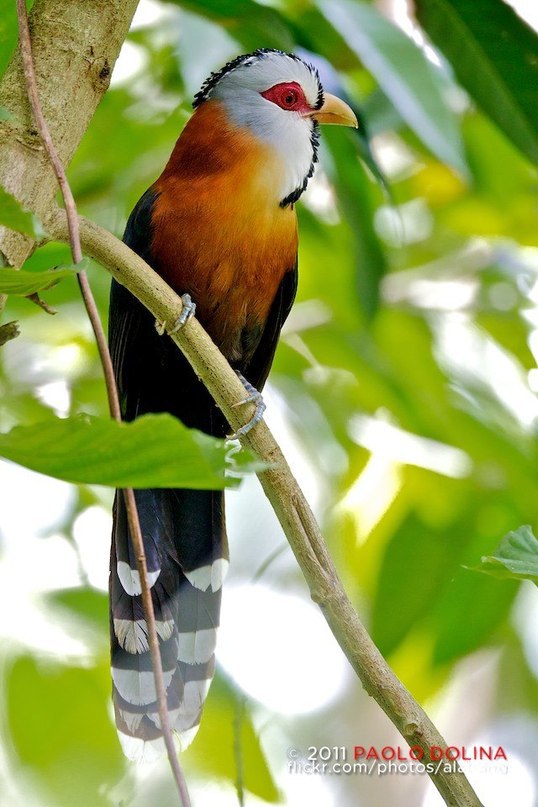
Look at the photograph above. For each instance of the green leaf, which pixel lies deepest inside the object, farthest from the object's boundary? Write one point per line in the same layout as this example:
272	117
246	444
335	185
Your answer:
83	613
5	114
89	604
357	206
413	570
468	613
404	74
61	732
15	217
516	557
253	24
470	608
155	451
8	32
368	157
227	725
23	283
495	57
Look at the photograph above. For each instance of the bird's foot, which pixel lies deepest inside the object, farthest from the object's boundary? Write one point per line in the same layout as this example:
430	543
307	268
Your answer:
253	396
188	311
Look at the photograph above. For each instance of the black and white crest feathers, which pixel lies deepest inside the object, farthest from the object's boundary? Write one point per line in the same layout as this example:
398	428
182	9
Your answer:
249	59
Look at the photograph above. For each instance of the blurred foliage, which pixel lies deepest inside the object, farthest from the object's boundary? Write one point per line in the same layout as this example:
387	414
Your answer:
408	365
91	756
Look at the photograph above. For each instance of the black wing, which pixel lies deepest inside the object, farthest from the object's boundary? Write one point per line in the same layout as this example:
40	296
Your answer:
127	317
152	374
257	368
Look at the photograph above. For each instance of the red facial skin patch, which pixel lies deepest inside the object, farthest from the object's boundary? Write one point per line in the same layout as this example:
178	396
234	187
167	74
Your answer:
288	96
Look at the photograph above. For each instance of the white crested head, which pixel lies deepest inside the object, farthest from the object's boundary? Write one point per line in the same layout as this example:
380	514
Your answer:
273	95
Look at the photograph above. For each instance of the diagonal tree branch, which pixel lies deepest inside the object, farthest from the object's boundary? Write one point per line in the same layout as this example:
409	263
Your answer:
286	498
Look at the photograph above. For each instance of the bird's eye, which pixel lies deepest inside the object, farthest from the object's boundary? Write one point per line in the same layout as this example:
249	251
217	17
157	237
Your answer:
288	95
289	98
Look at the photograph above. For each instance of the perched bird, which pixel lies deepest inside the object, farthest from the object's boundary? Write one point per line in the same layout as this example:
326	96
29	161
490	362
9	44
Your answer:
219	225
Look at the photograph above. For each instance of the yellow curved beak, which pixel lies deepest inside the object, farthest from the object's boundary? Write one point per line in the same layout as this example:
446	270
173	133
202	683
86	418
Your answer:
336	111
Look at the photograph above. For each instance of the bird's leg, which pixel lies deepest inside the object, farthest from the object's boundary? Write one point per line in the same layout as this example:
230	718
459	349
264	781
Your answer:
253	396
188	311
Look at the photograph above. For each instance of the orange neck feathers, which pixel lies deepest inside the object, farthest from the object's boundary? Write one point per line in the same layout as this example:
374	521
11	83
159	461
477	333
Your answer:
212	148
218	230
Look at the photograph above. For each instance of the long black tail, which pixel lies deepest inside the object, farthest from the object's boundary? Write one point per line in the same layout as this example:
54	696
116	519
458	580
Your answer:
187	556
185	545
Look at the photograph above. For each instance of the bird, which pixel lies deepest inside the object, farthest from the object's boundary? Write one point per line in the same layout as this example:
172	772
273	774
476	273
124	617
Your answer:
219	226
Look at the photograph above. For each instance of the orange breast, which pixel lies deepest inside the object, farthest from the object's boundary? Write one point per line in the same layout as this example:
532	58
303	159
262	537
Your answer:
219	233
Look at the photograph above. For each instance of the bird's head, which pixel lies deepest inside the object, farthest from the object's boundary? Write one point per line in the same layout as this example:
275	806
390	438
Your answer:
279	98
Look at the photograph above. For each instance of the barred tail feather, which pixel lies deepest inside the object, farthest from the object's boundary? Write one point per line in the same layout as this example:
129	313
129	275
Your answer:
185	545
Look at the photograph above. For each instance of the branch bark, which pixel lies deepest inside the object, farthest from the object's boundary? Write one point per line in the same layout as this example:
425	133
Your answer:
285	496
75	44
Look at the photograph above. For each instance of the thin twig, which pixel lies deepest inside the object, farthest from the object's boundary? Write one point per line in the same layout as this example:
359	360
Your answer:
287	500
102	345
112	391
239	719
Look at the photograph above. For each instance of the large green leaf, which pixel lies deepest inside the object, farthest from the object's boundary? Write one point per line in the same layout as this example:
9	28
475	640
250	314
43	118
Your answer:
15	217
516	556
413	571
153	451
24	283
469	611
495	57
404	74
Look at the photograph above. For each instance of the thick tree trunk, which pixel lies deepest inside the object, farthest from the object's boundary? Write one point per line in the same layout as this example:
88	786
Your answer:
75	46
